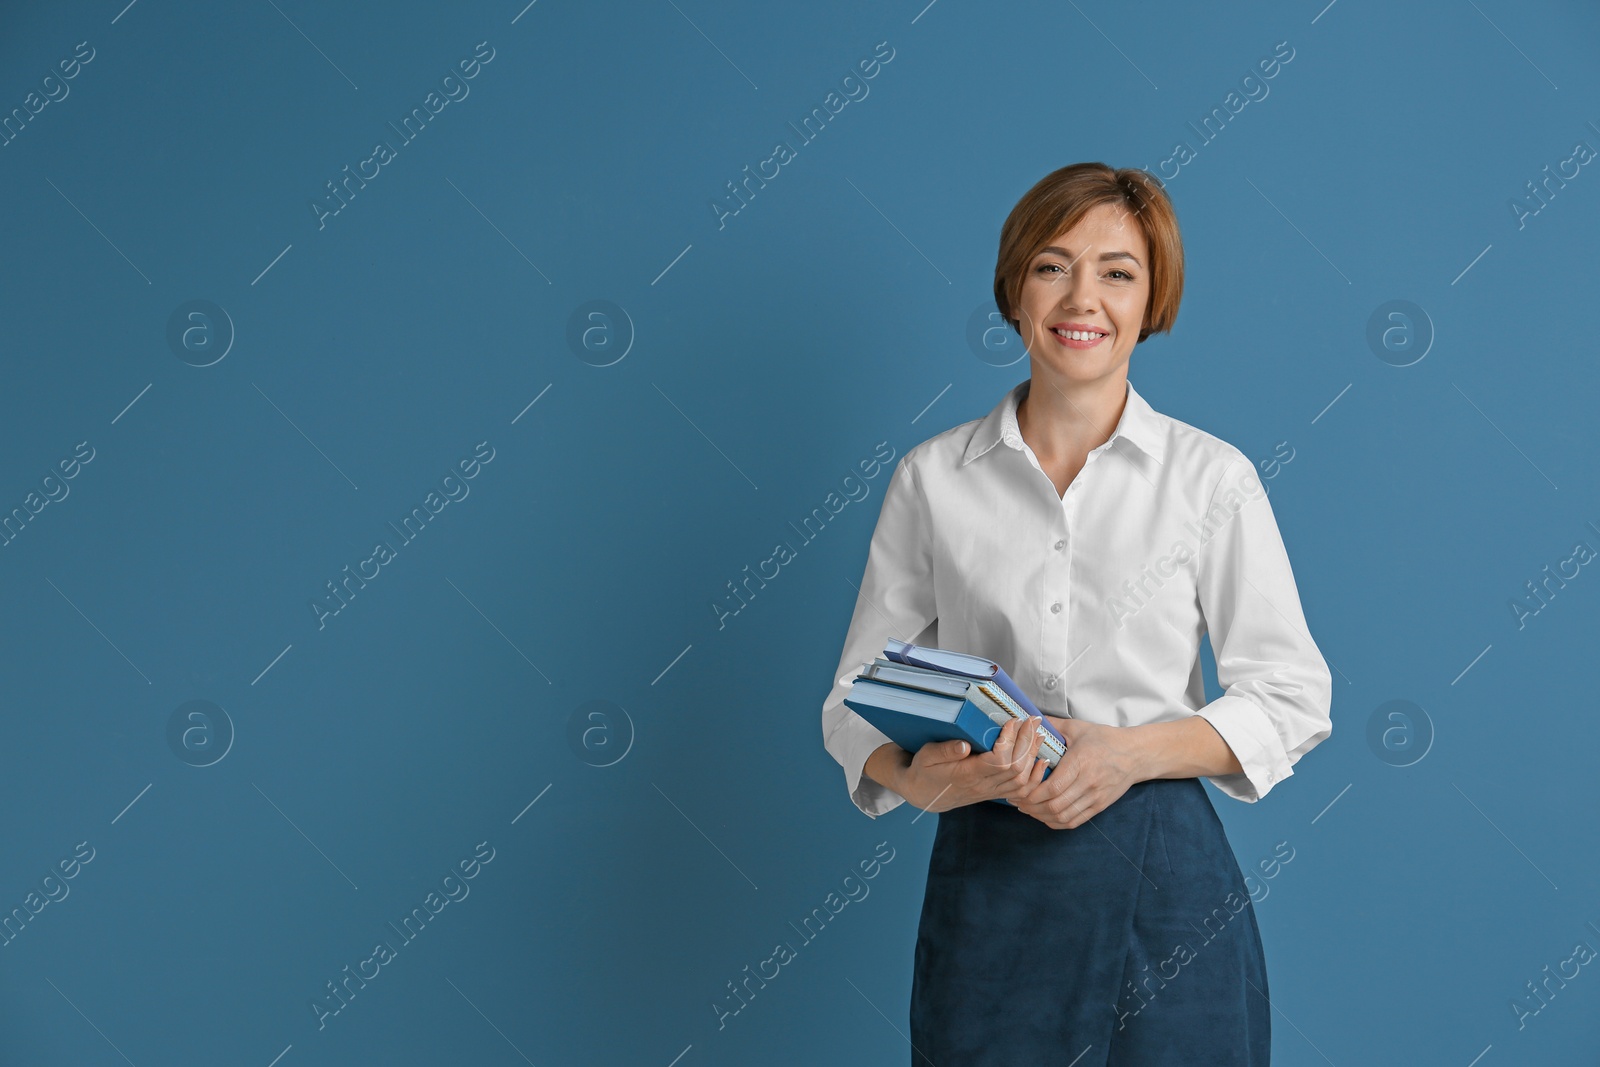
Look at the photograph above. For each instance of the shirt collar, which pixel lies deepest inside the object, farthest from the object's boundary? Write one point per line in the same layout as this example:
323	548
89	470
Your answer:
1140	424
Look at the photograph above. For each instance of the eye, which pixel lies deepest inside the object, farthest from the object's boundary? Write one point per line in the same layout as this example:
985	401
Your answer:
1046	266
1124	273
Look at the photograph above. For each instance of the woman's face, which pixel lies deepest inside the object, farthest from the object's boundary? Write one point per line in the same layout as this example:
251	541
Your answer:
1094	276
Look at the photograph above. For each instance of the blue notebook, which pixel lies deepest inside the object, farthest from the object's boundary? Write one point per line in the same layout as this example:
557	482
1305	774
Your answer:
991	699
912	718
967	666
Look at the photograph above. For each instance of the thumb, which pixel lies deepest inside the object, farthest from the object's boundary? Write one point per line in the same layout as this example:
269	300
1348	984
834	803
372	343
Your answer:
948	751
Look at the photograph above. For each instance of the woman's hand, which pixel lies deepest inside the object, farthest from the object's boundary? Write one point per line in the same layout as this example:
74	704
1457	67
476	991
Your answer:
946	775
1100	764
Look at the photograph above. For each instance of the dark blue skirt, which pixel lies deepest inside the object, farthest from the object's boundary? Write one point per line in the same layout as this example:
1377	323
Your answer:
1130	941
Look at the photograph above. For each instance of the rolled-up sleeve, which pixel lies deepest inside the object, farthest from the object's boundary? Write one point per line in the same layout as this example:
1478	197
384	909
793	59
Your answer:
896	599
1277	690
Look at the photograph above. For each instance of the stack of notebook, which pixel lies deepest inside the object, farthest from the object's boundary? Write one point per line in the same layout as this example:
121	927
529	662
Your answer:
916	694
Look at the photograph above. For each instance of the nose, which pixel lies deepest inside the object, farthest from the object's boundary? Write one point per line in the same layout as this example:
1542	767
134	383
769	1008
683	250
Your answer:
1079	289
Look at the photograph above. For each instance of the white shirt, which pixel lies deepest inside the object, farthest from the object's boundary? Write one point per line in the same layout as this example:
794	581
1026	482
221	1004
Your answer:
1094	602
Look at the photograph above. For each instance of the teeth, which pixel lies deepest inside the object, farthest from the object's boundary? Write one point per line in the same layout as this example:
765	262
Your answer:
1079	335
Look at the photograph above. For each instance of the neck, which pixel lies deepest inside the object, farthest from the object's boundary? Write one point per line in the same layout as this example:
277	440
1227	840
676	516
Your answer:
1066	420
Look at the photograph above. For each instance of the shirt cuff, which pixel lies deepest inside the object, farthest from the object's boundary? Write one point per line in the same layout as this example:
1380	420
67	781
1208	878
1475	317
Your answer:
862	739
1249	732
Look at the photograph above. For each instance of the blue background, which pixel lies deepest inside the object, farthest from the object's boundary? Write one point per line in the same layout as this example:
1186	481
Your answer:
678	829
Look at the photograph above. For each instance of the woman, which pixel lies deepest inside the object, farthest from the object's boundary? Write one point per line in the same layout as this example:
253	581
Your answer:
1087	542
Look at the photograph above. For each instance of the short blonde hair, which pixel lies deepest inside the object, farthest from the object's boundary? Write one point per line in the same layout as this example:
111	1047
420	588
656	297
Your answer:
1059	200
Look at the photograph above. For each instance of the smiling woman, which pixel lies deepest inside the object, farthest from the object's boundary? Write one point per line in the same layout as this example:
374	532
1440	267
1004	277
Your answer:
1017	537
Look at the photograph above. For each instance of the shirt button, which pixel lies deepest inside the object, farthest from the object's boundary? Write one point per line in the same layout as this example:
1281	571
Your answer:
1060	545
1055	608
1049	683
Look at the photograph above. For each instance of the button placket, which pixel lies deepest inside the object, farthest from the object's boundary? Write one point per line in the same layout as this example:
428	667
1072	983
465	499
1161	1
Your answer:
1058	595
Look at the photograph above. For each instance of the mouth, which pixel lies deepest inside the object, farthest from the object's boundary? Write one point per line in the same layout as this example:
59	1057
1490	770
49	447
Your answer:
1085	337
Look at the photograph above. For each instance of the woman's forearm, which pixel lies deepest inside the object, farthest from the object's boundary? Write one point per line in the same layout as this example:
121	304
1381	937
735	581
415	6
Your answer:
1184	748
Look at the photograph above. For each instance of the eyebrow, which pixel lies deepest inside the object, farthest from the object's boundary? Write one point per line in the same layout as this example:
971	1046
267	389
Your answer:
1103	255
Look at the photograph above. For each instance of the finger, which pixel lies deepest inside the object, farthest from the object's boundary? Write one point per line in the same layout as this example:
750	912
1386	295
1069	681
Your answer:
1074	807
999	755
1032	782
1047	812
1083	814
1027	744
1067	800
1028	750
946	751
1048	819
1060	780
1035	735
1009	737
1021	784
